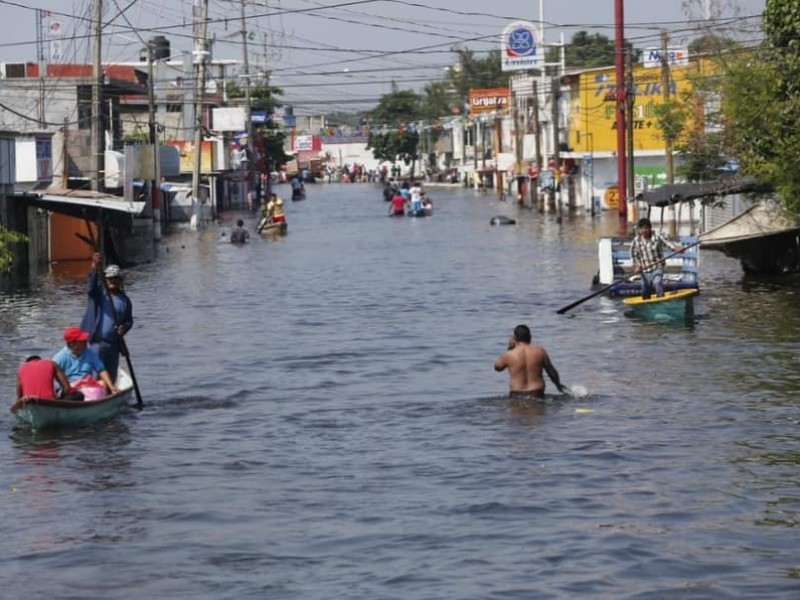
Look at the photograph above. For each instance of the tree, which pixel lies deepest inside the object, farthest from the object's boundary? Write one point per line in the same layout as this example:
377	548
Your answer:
588	50
7	238
471	72
761	100
710	43
393	117
270	137
439	100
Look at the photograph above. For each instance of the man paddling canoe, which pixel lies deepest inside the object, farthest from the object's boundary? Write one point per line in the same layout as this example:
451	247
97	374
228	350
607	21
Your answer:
526	364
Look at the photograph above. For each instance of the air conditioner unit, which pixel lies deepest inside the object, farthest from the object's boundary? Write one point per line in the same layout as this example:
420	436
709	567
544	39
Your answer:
13	70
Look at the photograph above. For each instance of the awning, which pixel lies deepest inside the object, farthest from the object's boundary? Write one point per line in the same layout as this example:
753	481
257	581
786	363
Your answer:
84	205
760	221
682	192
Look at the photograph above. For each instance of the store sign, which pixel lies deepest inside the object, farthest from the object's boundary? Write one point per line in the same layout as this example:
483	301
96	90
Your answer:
487	100
651	57
520	47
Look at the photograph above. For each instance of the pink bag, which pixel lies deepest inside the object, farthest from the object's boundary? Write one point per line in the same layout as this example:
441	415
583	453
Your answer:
89	387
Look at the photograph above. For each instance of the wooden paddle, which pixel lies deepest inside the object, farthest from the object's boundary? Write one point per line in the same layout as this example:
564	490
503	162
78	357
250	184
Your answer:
122	345
569	307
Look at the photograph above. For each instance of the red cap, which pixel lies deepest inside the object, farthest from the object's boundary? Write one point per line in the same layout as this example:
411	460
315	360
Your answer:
75	334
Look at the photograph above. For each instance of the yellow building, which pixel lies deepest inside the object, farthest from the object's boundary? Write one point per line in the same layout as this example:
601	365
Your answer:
592	125
592	119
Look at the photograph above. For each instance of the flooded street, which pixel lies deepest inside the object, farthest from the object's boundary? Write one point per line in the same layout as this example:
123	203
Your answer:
322	421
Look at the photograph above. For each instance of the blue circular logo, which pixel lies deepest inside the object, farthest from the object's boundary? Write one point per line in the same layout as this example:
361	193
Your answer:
520	42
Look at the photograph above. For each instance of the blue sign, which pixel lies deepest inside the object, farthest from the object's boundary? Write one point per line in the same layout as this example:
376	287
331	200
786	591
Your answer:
520	47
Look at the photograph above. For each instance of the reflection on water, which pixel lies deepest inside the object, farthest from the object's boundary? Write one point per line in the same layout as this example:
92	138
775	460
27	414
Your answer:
322	419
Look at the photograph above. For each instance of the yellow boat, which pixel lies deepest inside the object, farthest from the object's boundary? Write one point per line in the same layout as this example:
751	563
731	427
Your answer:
672	306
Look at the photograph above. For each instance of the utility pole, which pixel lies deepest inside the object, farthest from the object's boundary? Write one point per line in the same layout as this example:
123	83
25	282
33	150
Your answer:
248	115
155	191
65	156
619	64
40	15
629	126
665	77
200	55
475	152
555	91
96	144
537	130
518	125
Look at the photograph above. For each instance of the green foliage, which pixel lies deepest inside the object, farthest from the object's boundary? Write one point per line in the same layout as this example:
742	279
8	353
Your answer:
671	118
274	140
439	100
395	145
701	155
471	72
712	44
587	51
7	238
265	97
761	100
396	108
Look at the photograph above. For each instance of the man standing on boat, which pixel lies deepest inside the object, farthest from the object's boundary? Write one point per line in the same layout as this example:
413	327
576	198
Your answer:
647	254
109	313
526	364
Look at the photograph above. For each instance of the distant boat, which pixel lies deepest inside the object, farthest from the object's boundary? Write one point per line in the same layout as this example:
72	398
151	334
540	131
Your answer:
38	413
274	228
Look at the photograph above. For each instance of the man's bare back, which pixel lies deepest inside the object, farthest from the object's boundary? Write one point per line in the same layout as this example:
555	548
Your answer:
526	365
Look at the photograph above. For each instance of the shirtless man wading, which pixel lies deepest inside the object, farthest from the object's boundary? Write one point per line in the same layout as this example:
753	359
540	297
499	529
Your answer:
525	364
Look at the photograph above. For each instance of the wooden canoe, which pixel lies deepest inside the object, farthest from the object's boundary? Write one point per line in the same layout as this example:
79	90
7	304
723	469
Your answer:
671	306
38	414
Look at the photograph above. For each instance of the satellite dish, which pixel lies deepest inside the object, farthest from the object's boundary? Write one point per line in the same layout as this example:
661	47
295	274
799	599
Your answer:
211	86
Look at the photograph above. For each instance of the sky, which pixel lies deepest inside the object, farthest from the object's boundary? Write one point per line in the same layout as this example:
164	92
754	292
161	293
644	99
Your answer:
332	55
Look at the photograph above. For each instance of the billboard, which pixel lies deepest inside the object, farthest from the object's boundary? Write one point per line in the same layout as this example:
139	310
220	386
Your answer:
186	151
487	100
651	57
594	104
520	47
306	142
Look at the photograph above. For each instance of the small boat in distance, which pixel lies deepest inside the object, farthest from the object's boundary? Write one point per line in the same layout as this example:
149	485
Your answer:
272	228
672	306
38	414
